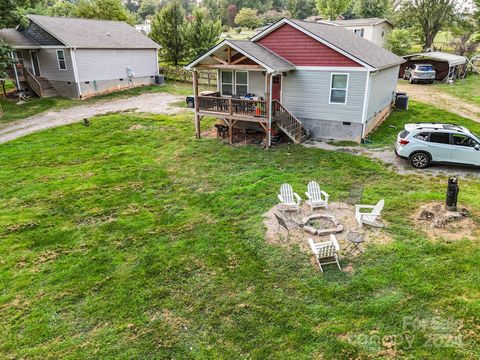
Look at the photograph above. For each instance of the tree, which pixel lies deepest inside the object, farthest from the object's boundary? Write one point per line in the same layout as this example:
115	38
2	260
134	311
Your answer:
399	41
301	9
103	9
271	16
248	18
201	33
11	12
331	9
149	8
168	31
477	12
6	61
61	8
430	17
232	12
372	8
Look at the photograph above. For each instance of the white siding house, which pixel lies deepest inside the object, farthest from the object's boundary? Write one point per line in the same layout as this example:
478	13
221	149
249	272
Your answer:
79	58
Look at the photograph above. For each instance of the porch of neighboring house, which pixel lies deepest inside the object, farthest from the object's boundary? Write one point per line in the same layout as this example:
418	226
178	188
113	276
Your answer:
26	72
249	91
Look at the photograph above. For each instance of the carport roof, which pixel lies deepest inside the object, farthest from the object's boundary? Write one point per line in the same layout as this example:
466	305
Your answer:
453	60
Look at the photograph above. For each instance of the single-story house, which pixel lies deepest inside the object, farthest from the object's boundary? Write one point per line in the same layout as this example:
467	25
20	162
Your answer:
374	29
305	79
447	66
78	58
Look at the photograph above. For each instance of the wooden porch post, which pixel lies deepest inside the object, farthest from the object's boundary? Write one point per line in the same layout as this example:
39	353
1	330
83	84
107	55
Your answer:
268	106
195	95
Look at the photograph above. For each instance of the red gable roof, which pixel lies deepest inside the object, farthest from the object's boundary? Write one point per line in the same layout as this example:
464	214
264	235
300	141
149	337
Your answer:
303	50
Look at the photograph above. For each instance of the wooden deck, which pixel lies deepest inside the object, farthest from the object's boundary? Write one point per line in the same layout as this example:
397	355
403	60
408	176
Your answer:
236	109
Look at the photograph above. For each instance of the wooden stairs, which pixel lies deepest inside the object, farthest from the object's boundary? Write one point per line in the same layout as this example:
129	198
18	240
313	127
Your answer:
288	123
40	85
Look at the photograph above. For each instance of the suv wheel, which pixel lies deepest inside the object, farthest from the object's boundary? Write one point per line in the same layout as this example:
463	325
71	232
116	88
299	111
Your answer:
411	80
190	104
420	160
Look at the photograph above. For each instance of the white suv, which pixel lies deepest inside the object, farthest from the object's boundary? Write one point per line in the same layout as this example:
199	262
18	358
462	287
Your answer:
426	143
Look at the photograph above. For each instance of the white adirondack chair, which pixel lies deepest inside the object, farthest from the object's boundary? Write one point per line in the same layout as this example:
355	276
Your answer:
326	252
316	197
289	200
369	217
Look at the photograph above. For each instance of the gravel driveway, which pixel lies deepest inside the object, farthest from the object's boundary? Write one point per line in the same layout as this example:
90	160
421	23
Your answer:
157	103
429	95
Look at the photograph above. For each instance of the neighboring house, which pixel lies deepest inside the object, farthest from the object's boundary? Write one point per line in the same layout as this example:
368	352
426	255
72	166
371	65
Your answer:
302	78
78	58
145	27
374	29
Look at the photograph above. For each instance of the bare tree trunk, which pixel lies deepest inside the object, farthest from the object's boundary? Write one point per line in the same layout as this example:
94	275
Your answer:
4	90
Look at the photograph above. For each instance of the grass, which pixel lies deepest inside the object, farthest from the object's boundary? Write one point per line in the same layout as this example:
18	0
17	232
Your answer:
467	89
121	244
13	111
386	134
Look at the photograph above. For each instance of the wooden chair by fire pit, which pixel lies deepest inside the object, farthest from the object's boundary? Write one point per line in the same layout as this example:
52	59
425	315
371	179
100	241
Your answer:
289	200
326	252
316	197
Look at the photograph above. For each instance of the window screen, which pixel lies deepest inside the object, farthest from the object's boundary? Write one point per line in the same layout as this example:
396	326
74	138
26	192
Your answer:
440	138
227	83
61	60
338	92
241	83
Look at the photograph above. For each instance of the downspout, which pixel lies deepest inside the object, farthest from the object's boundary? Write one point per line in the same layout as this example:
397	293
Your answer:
17	82
75	71
365	102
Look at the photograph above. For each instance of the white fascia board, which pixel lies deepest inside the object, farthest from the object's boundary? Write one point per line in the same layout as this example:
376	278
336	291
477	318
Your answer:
332	68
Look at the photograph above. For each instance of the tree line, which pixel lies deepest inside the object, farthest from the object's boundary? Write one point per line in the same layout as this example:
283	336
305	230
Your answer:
187	28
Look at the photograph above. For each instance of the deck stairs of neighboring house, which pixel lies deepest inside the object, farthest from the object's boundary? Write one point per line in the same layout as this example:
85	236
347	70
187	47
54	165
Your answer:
40	85
288	123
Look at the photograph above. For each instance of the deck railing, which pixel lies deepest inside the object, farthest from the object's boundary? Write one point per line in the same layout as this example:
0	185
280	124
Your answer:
287	121
32	82
231	106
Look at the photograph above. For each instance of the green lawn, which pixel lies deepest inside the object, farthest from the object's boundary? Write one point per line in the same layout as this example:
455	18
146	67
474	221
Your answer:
387	133
467	90
13	111
121	244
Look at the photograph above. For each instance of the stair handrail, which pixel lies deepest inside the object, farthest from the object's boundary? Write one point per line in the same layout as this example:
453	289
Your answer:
32	82
290	123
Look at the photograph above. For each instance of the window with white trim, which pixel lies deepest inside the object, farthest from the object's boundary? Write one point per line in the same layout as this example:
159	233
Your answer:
338	89
226	82
62	65
241	83
19	56
359	32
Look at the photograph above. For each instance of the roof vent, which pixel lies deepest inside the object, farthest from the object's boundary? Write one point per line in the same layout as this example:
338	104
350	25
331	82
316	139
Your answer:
108	34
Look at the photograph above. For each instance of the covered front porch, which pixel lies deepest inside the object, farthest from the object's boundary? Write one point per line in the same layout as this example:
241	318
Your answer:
248	90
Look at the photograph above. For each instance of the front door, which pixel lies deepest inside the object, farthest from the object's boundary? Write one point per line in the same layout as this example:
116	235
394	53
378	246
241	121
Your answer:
276	87
35	65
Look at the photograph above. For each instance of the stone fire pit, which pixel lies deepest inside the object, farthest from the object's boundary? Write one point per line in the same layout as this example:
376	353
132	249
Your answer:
320	224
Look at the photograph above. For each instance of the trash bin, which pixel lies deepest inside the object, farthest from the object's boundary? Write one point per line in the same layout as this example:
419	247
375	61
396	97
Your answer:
159	80
401	102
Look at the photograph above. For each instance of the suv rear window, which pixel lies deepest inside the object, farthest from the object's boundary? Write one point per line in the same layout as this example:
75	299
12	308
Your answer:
423	136
425	68
404	134
440	138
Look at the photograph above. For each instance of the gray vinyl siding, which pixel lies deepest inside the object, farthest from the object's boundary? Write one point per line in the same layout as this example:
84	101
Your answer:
49	69
306	93
256	83
102	64
383	84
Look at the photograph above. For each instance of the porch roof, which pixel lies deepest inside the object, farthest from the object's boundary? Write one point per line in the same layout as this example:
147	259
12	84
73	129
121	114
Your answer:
17	39
255	52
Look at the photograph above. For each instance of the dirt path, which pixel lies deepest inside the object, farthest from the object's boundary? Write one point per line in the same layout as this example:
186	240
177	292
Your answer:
158	103
429	95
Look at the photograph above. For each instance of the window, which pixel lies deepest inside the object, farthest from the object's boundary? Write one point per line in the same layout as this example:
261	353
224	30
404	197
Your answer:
425	68
62	65
440	138
19	56
241	83
227	83
463	140
359	32
338	89
423	136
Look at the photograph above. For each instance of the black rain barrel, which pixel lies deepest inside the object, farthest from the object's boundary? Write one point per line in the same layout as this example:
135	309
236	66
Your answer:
159	79
401	102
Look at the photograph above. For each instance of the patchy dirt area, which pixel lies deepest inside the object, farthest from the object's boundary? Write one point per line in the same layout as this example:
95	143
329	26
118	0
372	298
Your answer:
344	214
442	225
399	165
429	95
157	103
